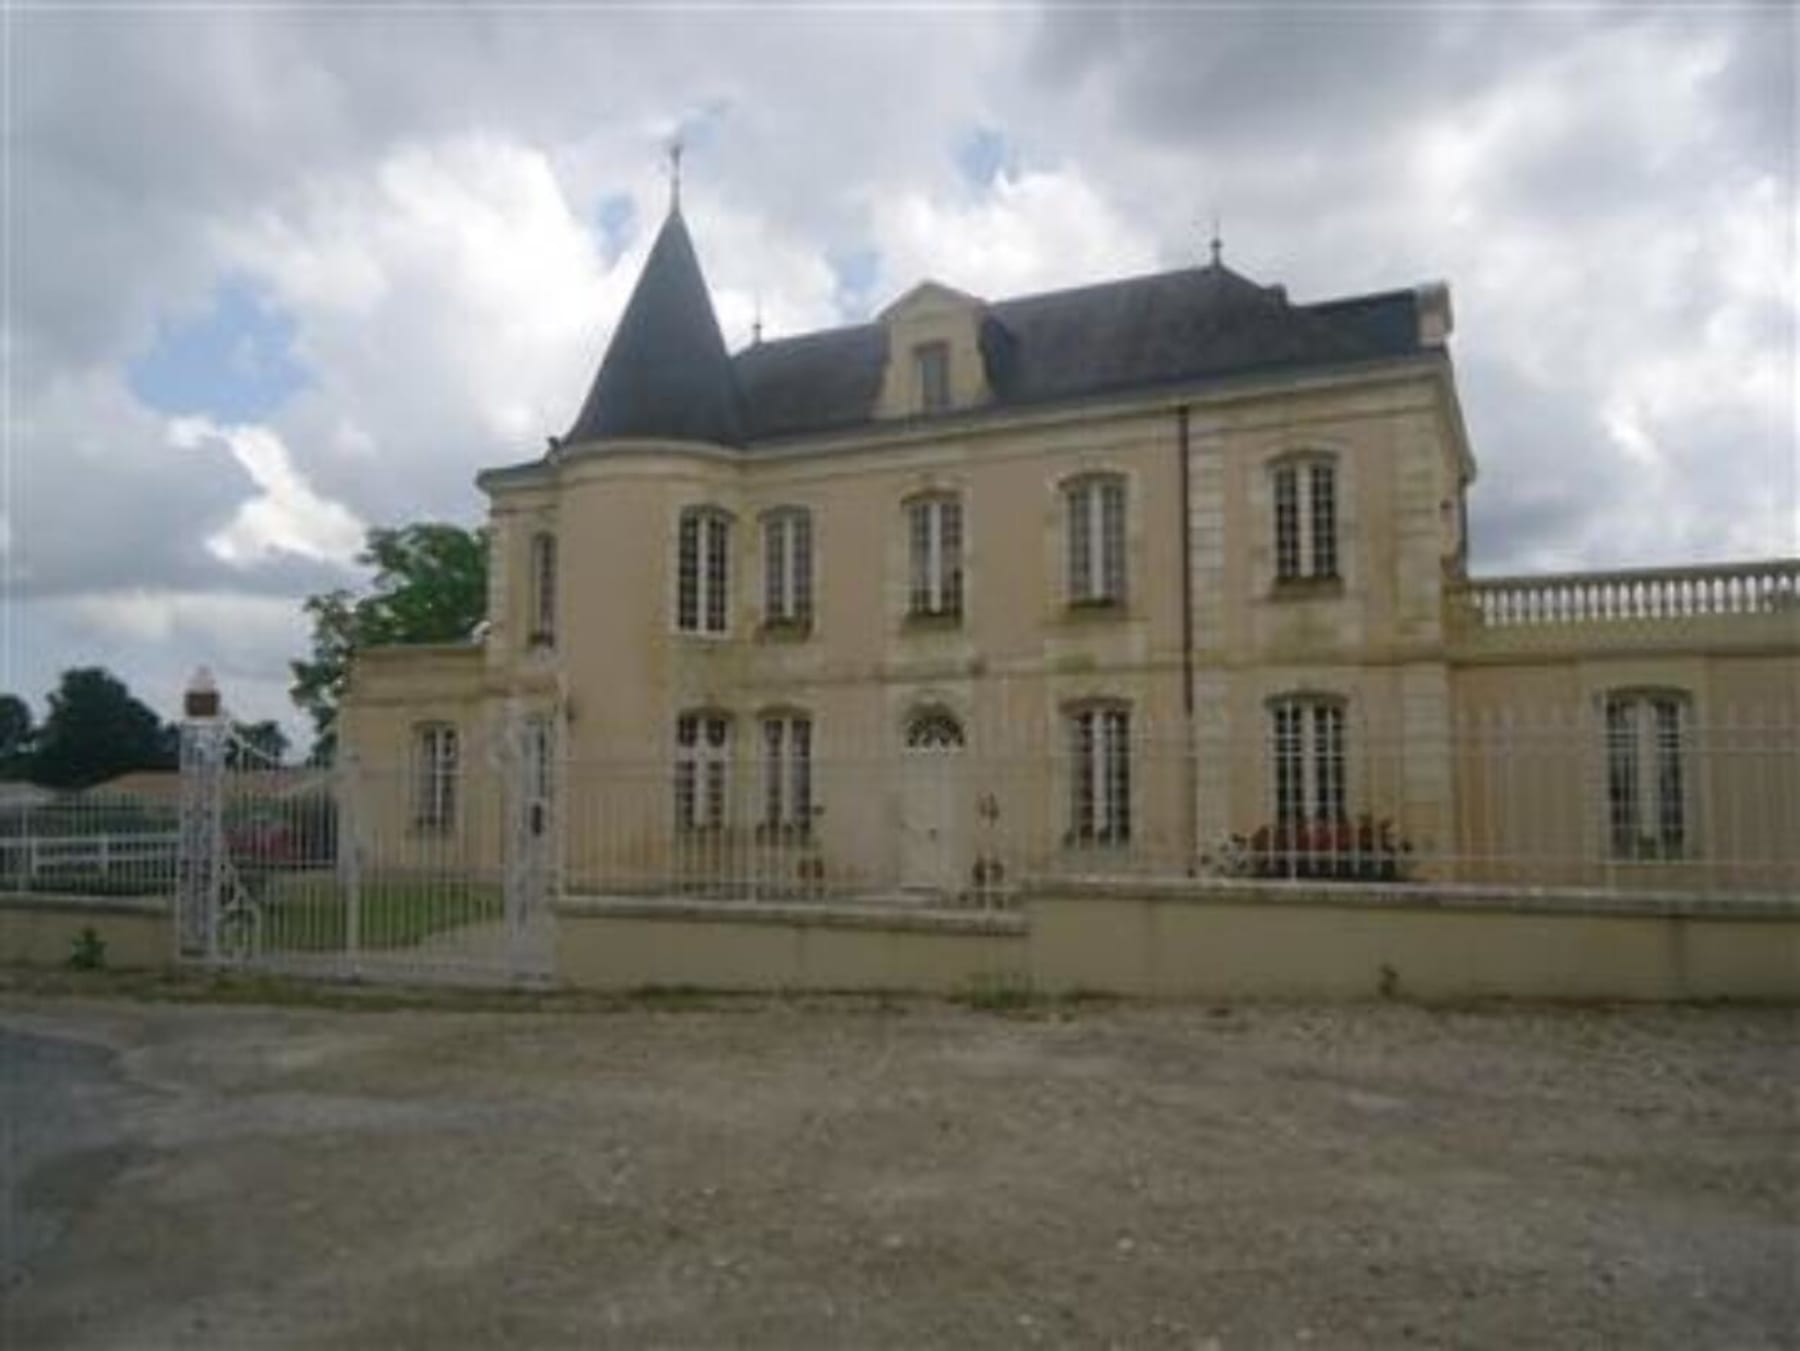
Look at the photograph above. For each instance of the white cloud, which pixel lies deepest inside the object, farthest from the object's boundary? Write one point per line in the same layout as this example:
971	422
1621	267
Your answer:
447	300
1038	230
287	516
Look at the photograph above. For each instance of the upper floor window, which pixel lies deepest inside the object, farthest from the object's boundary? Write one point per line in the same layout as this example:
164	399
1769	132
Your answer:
435	764
702	767
787	774
1100	774
931	367
1646	773
787	567
1305	519
1307	746
543	589
935	534
1096	539
703	571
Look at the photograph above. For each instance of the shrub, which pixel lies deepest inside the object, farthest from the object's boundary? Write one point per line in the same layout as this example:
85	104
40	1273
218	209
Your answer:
88	951
1364	850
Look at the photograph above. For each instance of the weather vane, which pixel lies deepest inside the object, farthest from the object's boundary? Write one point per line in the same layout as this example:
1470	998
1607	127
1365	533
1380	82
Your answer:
675	149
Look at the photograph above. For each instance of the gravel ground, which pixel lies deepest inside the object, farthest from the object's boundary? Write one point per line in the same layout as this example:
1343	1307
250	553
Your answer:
858	1173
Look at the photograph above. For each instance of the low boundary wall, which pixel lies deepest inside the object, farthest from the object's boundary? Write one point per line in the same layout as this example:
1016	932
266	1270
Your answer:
43	930
1349	942
1177	939
726	945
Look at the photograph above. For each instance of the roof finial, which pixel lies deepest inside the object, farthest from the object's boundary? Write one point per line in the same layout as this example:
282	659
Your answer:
1216	244
675	148
756	323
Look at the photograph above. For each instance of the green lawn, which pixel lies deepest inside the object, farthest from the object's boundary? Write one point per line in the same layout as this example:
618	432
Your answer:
304	912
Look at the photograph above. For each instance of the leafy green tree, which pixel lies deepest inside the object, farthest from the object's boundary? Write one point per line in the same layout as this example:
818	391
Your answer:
430	586
17	734
96	729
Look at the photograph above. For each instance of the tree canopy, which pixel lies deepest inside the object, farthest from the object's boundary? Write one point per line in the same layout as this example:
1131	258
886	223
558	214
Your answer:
18	734
96	729
430	586
256	745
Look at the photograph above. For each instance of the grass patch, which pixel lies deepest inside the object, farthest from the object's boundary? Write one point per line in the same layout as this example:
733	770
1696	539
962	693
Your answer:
999	994
303	912
80	879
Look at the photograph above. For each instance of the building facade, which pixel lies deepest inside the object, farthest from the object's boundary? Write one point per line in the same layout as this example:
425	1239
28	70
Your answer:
1164	575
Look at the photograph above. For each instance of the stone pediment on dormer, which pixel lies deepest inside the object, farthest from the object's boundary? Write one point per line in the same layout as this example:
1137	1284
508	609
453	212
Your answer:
931	300
934	356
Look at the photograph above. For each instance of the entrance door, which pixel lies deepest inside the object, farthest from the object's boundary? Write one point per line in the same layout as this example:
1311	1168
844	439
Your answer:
930	791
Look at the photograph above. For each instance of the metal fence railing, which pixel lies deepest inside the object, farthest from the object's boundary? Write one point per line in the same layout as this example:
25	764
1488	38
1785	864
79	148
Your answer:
1631	795
100	845
1633	799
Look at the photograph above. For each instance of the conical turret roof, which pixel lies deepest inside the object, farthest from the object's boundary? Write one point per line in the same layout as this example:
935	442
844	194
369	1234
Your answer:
666	374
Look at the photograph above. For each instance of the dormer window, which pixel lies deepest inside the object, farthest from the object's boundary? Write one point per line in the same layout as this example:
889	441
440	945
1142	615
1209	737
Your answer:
931	368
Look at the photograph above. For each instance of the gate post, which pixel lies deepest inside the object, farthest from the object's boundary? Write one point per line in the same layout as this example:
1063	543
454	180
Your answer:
526	763
200	856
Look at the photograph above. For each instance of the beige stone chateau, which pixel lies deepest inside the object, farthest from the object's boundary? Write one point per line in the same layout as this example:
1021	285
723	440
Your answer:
1166	574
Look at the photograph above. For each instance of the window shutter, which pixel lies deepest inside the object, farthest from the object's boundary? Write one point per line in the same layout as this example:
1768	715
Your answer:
1112	539
687	584
1323	485
718	572
1080	579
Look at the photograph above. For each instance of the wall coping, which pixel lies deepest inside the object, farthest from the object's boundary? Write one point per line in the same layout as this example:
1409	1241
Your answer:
71	904
1418	896
891	918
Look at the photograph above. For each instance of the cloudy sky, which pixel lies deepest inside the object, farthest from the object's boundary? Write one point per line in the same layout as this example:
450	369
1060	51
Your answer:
273	275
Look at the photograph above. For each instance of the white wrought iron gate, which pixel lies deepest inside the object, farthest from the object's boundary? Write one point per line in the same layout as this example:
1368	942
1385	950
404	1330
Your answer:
438	870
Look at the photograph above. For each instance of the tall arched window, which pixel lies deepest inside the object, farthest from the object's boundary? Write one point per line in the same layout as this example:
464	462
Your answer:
1094	513
787	774
1306	745
787	567
1305	517
934	528
1099	773
702	770
703	571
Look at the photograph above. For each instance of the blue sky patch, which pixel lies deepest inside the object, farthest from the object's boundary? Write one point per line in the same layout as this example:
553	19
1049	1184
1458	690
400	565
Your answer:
234	363
856	271
983	153
616	220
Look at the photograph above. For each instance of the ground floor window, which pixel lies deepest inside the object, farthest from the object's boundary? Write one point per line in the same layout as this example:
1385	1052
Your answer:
702	750
787	775
1646	774
434	776
1307	747
1100	774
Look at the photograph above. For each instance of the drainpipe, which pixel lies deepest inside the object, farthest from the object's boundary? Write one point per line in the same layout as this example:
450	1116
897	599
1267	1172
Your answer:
1190	768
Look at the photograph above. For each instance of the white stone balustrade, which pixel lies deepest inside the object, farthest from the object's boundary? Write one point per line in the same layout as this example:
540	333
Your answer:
1636	595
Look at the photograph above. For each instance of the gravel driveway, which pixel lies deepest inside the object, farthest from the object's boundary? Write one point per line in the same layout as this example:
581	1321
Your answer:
848	1174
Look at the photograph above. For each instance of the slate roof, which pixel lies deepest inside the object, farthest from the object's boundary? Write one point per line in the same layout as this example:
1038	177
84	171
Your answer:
667	374
1112	338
